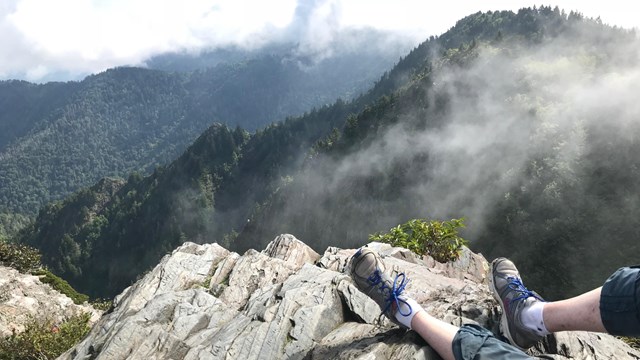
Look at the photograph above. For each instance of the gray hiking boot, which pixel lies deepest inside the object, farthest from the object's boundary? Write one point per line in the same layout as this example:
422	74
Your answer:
369	274
513	297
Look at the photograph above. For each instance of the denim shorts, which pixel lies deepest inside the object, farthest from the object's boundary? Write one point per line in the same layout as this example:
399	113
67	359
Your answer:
620	302
473	342
619	309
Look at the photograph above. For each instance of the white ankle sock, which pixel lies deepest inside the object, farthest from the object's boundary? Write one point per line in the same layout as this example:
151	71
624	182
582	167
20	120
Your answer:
415	308
531	318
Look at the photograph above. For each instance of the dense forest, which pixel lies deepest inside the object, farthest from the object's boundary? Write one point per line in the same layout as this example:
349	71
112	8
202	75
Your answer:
514	128
523	123
58	137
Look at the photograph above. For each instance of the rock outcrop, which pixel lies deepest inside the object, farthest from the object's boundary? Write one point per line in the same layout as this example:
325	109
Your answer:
204	302
24	298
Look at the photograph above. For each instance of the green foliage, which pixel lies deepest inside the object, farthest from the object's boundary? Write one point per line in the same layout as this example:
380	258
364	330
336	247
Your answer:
205	283
21	257
354	189
634	342
102	304
203	195
10	224
229	239
438	239
44	339
57	138
61	285
323	145
27	259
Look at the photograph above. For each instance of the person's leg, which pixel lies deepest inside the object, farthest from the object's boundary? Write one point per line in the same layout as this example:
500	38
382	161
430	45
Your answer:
470	342
437	333
613	308
579	313
369	274
450	342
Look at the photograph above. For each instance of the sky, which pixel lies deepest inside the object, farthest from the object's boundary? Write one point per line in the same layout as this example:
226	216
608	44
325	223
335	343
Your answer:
45	40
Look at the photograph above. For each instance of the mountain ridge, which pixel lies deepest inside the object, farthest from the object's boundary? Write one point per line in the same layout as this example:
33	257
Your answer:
58	137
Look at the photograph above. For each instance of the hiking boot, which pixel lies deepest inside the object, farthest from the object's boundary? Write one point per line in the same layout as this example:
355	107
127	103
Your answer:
513	297
369	274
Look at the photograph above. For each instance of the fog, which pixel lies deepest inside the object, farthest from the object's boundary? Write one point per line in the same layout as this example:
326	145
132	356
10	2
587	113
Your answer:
526	127
66	40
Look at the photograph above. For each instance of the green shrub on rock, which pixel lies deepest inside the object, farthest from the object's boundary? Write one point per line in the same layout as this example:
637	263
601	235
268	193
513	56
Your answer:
47	277
438	239
26	260
631	341
41	339
20	257
44	339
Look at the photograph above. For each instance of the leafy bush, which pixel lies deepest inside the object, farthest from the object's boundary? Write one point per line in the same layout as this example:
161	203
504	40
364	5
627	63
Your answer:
47	277
439	239
229	239
11	224
27	260
102	304
20	257
631	341
44	339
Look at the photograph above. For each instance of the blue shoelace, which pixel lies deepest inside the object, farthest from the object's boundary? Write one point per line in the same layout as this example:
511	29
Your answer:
516	284
394	292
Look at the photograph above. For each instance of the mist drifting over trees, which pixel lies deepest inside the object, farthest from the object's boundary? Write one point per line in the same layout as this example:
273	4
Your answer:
524	123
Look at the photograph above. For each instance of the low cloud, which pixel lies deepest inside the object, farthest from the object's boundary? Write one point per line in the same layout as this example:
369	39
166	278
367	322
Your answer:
71	38
67	39
545	108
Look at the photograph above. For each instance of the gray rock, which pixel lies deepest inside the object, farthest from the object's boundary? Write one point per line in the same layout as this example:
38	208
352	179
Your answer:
188	266
335	258
159	329
358	303
220	279
251	272
362	341
468	266
584	345
24	298
287	302
286	247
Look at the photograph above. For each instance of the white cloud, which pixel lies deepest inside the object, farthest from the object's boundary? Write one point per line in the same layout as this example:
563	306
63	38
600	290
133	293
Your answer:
87	36
41	37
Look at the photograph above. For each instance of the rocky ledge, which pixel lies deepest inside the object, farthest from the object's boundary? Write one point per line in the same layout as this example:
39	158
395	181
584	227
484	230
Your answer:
24	298
205	302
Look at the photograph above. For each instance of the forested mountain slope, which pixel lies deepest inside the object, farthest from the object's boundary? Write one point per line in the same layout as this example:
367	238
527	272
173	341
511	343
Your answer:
24	104
521	122
528	130
57	137
102	237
